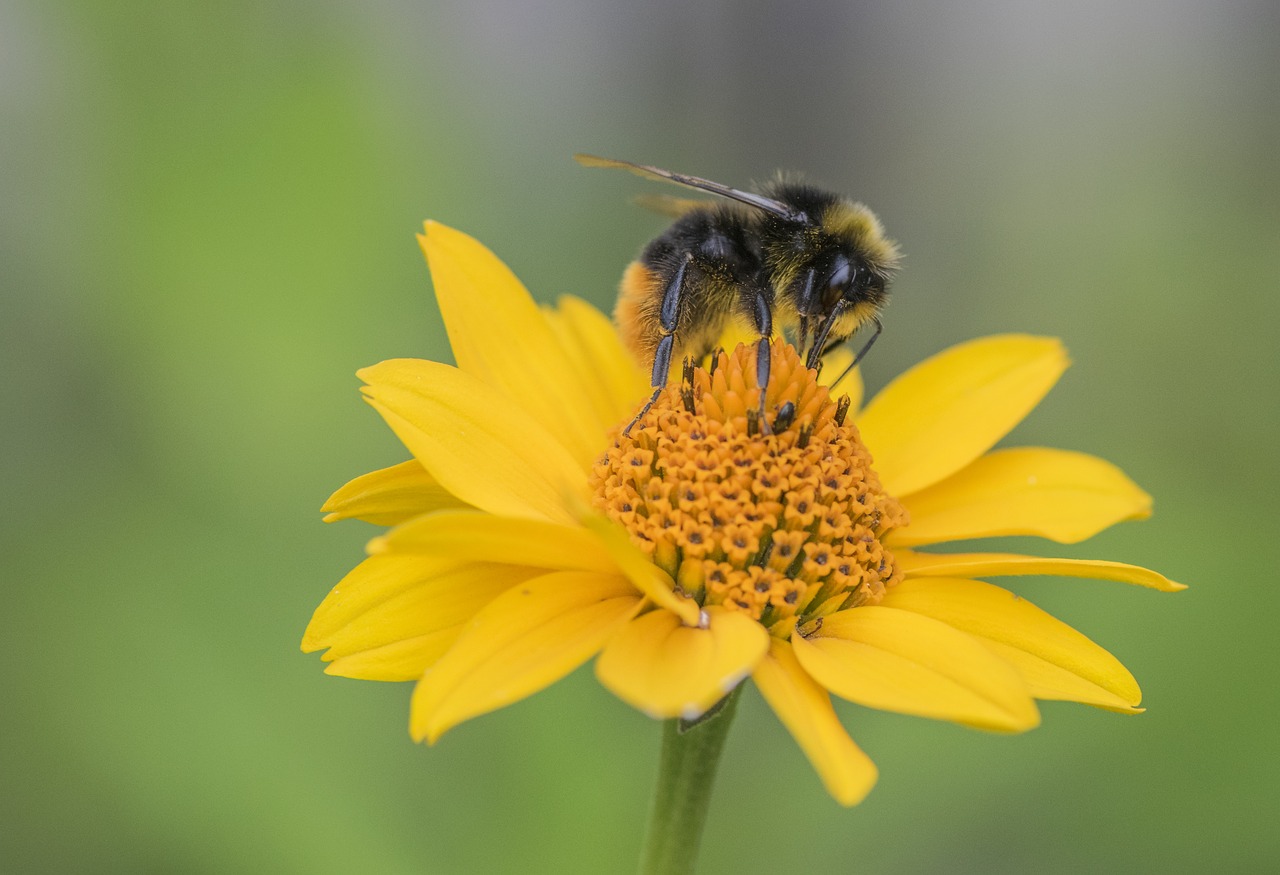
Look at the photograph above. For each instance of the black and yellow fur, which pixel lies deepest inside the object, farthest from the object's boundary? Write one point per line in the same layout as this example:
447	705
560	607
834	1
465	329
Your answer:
793	257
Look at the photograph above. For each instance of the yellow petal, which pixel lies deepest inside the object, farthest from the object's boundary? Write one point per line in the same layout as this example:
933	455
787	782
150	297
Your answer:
389	496
393	616
523	641
1056	494
805	709
948	410
1048	681
369	584
1056	661
478	537
596	392
668	669
472	441
901	661
833	365
399	661
617	384
499	336
444	601
1010	565
651	580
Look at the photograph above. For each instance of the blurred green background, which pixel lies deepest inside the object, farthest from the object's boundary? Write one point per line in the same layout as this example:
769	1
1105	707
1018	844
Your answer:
208	215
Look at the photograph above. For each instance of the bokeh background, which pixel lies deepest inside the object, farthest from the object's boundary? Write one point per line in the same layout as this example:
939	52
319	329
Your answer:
207	225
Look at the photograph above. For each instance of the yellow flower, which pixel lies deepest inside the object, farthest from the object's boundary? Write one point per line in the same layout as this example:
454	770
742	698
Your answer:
705	547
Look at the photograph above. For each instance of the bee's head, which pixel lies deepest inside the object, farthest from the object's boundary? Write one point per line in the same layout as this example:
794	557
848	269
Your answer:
845	275
862	258
837	250
841	282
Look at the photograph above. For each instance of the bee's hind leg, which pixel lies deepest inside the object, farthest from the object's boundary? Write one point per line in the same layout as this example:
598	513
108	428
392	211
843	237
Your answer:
668	319
661	364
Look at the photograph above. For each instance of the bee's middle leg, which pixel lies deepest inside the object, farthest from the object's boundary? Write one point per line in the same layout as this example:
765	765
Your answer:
762	313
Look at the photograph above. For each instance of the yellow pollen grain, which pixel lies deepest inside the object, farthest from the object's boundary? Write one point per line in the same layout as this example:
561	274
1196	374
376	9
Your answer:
783	524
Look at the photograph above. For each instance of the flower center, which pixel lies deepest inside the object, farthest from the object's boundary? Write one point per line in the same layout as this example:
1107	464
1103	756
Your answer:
782	519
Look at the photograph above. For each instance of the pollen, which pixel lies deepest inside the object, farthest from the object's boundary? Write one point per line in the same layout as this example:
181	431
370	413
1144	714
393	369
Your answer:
783	518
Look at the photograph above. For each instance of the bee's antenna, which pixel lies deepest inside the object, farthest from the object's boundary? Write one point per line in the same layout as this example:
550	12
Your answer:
861	354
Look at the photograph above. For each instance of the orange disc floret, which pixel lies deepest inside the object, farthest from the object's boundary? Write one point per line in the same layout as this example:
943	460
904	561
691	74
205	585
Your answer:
781	519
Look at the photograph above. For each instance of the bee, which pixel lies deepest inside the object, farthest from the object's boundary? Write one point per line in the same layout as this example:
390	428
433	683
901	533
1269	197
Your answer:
794	257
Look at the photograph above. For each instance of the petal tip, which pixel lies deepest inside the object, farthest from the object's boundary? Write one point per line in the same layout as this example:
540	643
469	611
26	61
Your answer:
856	792
435	234
434	729
313	639
423	729
691	712
732	681
367	375
1051	351
430	238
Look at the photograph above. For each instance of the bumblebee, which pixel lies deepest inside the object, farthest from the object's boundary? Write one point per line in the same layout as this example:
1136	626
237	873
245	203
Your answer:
796	258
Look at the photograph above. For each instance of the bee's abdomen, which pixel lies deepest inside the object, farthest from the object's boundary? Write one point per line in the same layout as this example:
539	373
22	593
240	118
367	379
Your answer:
707	304
639	310
700	266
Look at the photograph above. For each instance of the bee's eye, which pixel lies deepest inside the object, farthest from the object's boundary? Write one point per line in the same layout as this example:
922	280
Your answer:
841	273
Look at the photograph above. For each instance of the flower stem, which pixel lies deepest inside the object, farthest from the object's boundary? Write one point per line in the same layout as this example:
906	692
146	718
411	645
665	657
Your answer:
686	773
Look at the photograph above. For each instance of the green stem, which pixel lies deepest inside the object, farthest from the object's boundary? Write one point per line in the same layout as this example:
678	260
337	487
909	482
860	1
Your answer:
686	772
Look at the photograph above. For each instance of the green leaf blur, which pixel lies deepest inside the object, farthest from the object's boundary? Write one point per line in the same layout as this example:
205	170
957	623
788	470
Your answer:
206	226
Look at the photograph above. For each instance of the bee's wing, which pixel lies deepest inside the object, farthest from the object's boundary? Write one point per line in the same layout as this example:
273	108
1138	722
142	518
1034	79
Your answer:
760	202
667	205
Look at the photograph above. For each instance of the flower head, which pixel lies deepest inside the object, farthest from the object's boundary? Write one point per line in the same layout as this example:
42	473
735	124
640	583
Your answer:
783	521
706	546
